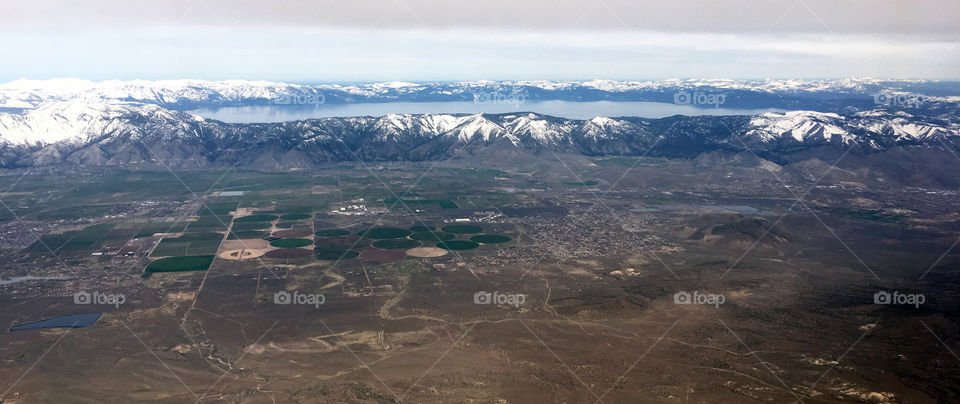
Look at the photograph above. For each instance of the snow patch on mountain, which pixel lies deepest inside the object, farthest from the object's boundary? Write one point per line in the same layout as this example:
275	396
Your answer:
58	122
801	126
476	126
602	127
429	125
905	127
534	128
82	122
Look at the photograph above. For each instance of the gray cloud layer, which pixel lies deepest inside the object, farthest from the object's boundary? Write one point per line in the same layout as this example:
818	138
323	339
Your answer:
341	40
935	18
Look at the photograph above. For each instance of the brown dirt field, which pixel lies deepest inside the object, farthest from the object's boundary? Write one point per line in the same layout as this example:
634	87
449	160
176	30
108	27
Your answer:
292	233
242	254
245	244
378	255
181	296
426	252
286	253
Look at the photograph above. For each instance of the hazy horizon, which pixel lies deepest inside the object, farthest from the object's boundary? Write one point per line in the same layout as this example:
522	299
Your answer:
422	40
577	80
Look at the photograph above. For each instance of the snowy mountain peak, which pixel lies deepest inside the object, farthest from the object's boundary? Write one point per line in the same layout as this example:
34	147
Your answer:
602	127
537	129
799	126
476	127
60	121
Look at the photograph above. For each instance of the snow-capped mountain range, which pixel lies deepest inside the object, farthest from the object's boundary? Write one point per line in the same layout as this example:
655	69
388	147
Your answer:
869	129
823	95
78	122
84	132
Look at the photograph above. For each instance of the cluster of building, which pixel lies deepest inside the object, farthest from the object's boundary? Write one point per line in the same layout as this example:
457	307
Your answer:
589	233
356	207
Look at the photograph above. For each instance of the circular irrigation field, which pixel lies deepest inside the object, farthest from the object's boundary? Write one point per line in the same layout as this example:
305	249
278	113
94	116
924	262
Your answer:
332	233
241	254
426	252
293	225
462	229
184	263
457	245
396	244
380	233
250	226
336	248
490	239
345	242
333	252
295	216
433	236
292	233
422	228
288	253
291	242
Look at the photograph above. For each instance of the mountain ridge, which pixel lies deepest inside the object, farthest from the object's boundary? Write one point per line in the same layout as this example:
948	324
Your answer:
81	133
822	95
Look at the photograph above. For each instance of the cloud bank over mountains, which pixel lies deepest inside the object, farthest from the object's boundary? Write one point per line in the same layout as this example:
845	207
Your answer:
419	40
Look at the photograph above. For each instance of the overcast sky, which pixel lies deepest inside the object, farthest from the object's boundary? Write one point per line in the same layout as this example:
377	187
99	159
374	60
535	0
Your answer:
424	40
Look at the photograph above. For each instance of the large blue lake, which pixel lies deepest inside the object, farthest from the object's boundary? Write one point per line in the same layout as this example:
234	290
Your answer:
565	109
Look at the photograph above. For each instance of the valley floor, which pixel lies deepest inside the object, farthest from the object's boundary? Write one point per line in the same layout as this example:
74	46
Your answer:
614	280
